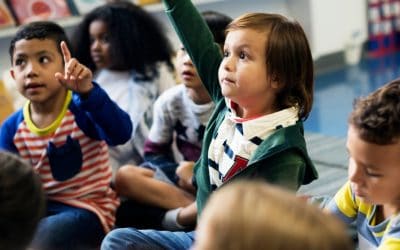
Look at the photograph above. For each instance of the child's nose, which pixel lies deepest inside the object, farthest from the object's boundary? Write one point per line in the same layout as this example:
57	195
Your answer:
228	63
186	59
355	173
95	44
31	69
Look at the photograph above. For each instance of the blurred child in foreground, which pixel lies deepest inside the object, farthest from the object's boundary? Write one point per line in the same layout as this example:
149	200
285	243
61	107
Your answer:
255	215
22	202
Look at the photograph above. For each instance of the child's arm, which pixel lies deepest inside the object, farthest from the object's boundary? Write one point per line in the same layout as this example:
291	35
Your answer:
198	41
8	130
97	115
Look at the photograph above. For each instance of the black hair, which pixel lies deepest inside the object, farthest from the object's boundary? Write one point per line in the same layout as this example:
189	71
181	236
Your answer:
40	30
217	23
22	202
137	39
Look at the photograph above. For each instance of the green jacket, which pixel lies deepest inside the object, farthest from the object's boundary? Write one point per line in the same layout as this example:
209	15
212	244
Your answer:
280	159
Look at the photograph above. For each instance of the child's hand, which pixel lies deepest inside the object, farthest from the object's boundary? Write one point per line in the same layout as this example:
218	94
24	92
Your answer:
185	173
76	77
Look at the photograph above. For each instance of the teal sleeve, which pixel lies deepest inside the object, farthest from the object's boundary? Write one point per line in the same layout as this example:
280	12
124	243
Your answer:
198	41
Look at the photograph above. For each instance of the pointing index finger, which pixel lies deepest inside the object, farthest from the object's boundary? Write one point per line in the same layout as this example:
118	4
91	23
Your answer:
65	51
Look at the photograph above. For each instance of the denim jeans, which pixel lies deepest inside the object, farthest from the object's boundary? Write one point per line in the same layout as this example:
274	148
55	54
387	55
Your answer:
131	238
67	227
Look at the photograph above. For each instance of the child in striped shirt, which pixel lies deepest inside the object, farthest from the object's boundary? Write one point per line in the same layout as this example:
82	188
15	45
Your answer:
63	132
370	197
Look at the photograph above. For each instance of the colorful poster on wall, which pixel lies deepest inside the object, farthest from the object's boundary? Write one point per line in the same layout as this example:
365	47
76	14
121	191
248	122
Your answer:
34	10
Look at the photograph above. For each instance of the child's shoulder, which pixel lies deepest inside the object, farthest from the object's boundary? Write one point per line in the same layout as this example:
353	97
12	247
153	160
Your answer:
14	119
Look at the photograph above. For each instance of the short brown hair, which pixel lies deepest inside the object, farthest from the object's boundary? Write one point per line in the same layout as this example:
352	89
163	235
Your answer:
288	57
377	116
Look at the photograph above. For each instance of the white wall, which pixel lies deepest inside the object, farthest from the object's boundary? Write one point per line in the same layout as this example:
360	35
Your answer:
328	23
232	8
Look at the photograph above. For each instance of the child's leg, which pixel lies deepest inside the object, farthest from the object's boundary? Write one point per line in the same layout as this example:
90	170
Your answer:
130	238
67	227
139	184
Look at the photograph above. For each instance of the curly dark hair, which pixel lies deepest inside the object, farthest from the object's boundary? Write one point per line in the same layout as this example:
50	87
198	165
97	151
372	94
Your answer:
377	116
137	40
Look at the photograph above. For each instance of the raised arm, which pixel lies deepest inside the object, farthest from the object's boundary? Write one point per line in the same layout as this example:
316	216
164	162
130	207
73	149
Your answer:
198	41
98	116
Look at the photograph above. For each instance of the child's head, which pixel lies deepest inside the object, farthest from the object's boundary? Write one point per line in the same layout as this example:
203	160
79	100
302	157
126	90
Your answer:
22	202
217	22
39	30
255	215
122	36
267	59
35	57
373	143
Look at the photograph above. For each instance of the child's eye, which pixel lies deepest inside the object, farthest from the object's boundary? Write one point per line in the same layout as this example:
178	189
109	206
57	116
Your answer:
372	174
19	61
242	55
226	53
105	39
44	59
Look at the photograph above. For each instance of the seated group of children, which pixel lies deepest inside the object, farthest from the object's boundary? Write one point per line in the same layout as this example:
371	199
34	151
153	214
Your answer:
236	120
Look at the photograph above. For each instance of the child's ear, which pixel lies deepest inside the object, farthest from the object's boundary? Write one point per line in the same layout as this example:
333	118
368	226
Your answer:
12	73
274	82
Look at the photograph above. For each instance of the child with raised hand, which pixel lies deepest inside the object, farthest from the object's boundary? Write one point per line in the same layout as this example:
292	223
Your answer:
180	115
263	89
63	131
127	49
256	215
22	202
371	196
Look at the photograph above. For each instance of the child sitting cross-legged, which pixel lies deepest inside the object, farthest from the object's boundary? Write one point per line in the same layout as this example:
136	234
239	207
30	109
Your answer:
63	132
180	116
262	87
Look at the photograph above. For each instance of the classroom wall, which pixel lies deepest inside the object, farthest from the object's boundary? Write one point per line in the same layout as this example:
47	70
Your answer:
328	23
